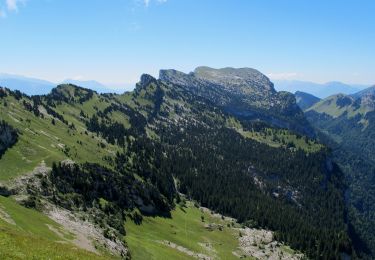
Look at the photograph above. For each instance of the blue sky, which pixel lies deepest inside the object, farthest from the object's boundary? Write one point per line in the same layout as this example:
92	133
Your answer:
115	41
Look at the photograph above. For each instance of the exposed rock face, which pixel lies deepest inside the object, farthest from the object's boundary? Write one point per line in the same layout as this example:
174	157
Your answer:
242	92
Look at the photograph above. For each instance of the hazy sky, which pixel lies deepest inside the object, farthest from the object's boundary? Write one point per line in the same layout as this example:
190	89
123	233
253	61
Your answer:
115	41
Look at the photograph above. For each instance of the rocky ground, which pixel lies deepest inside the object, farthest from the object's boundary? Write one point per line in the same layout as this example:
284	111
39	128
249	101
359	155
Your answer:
260	243
87	235
256	243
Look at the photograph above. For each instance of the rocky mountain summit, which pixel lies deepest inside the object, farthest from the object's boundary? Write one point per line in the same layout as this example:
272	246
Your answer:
250	86
242	92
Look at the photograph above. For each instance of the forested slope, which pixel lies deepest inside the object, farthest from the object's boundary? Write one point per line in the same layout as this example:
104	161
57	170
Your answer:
347	123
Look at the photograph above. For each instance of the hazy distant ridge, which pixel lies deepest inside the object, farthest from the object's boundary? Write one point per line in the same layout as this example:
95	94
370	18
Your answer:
316	89
34	86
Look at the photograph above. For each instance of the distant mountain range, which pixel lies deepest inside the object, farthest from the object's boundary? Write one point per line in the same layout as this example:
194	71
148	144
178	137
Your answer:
316	89
34	86
90	84
30	86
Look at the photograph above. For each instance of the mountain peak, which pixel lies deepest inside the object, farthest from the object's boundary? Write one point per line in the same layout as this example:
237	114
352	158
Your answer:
234	76
146	79
89	84
71	93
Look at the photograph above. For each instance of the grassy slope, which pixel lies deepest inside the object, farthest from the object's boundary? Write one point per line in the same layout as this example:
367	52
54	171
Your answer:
31	238
287	136
186	229
276	137
31	221
329	106
41	140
